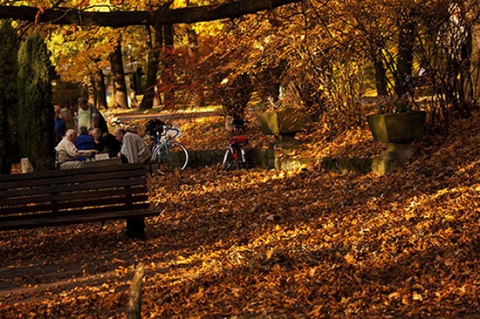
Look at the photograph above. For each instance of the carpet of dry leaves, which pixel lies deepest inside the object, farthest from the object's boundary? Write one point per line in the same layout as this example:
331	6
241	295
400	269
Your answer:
273	244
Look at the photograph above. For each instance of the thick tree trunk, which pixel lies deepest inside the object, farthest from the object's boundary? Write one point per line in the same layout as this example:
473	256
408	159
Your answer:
120	88
8	96
100	90
406	41
168	77
152	69
197	97
5	164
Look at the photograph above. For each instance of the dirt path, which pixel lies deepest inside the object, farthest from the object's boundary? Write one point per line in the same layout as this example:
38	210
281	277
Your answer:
167	115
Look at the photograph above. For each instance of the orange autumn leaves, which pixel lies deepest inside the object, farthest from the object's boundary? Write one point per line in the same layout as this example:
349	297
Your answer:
296	244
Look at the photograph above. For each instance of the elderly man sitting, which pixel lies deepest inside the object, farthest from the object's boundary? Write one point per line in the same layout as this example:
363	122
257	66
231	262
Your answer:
133	148
67	152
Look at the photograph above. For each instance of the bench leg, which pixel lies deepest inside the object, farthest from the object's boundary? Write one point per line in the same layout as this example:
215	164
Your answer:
136	227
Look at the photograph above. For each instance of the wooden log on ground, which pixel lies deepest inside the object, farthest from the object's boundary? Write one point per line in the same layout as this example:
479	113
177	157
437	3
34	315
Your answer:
134	308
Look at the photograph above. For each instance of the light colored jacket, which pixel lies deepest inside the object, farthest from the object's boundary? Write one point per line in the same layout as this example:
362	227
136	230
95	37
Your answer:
67	151
134	149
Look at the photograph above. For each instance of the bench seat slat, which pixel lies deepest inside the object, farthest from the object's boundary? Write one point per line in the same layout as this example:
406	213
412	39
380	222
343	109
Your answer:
91	203
70	196
42	221
98	211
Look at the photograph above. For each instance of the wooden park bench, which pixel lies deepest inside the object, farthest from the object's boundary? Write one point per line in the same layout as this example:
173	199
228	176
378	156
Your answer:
60	197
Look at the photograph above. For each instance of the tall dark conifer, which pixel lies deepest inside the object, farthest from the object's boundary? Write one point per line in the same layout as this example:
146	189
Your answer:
8	93
36	118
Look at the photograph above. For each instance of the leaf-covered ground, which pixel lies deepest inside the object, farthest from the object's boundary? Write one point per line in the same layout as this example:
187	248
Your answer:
273	244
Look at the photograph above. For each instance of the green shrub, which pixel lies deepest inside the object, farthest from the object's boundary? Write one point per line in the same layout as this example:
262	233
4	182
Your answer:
36	119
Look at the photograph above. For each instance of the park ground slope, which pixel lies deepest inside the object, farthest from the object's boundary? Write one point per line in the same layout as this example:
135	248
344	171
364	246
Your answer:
274	244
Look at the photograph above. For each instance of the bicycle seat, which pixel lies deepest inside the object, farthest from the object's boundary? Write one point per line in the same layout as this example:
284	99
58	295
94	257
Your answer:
239	140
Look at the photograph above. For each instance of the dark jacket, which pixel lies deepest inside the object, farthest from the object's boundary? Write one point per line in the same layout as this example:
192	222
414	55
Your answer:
109	144
85	142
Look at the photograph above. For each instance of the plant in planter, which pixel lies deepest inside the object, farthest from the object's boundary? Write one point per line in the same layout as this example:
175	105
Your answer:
397	125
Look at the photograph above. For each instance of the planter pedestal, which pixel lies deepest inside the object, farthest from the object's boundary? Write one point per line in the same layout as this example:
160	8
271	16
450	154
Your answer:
398	131
396	155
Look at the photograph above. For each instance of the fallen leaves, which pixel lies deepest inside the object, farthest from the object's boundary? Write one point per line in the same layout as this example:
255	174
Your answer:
263	244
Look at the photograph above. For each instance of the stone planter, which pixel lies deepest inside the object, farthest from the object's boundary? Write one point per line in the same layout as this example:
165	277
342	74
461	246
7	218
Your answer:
398	131
282	124
397	128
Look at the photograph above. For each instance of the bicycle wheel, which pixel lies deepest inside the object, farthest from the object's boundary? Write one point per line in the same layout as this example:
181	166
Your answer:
234	159
171	156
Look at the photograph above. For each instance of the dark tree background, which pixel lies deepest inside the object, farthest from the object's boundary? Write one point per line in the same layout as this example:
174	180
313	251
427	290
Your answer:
8	95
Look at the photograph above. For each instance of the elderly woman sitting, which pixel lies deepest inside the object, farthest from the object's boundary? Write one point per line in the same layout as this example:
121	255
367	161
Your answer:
67	152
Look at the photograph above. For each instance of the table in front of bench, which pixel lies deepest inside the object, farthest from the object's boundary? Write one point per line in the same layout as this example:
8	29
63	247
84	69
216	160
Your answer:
60	197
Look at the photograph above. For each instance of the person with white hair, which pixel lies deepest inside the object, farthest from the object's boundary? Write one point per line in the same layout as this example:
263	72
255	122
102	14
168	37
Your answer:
133	148
67	152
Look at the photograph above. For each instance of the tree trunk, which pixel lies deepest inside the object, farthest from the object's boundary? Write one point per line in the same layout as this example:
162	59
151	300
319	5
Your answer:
380	71
169	75
197	97
406	41
120	88
100	90
152	69
467	91
92	99
8	96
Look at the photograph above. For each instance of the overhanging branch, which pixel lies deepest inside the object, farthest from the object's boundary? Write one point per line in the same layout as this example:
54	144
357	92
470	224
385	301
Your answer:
117	19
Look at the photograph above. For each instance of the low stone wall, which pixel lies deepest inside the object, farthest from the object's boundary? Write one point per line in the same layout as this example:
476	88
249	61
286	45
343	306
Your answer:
265	158
257	157
348	165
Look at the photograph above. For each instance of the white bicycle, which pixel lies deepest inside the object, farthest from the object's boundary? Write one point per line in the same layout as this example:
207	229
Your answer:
167	154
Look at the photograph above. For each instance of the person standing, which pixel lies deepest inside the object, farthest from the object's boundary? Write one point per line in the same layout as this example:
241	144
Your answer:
89	116
133	148
60	125
68	114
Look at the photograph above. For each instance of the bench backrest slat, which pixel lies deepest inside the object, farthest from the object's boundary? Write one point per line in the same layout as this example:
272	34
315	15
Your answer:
71	173
73	188
53	180
67	196
87	191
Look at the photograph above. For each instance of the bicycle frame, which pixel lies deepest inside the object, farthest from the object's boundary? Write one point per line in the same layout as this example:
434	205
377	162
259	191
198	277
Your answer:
166	152
162	139
235	154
